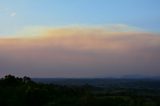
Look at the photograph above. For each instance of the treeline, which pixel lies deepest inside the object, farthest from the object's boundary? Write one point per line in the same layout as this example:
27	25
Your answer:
15	91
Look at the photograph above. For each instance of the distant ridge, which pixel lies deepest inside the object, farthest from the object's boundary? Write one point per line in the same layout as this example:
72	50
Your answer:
136	76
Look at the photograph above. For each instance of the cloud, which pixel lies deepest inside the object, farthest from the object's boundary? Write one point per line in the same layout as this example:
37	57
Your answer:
13	14
8	11
40	31
81	52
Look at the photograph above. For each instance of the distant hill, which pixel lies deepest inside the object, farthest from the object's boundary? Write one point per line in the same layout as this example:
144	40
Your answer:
137	76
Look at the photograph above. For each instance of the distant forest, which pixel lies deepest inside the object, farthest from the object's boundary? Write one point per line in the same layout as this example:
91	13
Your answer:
15	91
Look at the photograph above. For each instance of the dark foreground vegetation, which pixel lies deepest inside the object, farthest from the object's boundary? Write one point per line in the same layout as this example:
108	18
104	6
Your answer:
16	91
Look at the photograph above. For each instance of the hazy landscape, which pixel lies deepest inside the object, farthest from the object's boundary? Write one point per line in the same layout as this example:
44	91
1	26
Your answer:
17	91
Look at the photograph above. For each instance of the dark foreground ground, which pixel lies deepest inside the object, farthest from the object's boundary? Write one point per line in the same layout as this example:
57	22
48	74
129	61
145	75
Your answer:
16	91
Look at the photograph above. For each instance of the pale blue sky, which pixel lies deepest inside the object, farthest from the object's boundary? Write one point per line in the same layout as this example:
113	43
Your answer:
17	14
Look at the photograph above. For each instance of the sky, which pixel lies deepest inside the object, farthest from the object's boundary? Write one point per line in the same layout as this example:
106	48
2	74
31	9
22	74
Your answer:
79	38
